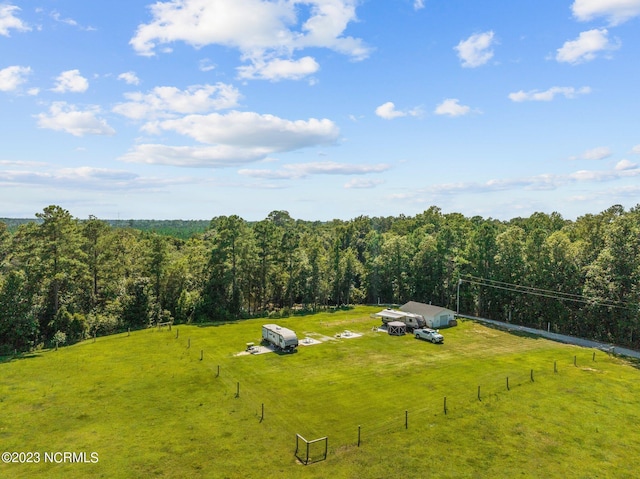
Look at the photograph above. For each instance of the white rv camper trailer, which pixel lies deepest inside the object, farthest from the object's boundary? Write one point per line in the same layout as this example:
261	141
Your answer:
282	338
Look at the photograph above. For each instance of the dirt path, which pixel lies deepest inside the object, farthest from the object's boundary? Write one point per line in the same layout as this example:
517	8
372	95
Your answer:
609	348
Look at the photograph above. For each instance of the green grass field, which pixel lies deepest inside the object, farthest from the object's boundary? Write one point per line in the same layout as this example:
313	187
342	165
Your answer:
150	407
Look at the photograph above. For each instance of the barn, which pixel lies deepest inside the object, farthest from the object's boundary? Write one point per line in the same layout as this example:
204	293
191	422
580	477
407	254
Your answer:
435	316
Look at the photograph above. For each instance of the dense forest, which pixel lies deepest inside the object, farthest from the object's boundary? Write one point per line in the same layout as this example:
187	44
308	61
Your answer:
63	279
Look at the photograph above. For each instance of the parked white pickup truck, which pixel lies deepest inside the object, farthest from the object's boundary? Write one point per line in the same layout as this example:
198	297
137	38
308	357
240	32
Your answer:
429	334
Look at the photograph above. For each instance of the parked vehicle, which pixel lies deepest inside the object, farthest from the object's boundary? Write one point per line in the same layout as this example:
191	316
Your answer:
282	338
412	321
429	334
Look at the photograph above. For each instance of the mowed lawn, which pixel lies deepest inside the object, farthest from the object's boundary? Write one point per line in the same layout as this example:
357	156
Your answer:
183	403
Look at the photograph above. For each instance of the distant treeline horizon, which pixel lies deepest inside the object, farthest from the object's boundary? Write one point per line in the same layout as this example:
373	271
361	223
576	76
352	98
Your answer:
63	279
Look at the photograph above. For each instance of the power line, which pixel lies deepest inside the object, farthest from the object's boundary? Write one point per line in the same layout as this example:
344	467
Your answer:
545	293
530	288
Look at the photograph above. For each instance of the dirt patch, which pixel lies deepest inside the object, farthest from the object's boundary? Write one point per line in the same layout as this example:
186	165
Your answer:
485	332
591	369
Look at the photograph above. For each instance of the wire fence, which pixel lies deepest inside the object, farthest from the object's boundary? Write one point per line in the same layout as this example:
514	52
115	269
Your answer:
374	420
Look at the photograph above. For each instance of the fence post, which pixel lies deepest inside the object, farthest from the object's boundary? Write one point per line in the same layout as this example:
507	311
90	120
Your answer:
177	333
238	390
555	366
445	405
532	375
262	416
326	447
575	359
218	374
507	383
201	354
479	399
359	436
188	343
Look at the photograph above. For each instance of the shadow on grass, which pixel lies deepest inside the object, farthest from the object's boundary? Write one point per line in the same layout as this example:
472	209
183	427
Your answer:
276	317
8	359
524	334
285	353
633	362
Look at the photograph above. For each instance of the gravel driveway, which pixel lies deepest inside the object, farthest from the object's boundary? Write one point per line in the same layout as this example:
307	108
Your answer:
609	348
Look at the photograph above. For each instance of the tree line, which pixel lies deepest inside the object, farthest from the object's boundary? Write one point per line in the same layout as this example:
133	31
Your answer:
63	279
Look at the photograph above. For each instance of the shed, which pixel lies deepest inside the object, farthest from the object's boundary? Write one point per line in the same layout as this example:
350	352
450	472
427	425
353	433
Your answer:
396	328
435	316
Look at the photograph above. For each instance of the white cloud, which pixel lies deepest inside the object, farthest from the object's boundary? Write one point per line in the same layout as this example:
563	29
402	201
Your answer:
89	172
69	21
623	165
217	156
548	95
130	78
9	21
543	182
19	163
616	11
205	65
586	47
599	153
418	4
85	178
12	77
362	183
166	101
248	129
591	175
636	149
623	169
58	18
65	117
234	138
388	111
476	50
302	170
279	69
452	107
262	31
71	81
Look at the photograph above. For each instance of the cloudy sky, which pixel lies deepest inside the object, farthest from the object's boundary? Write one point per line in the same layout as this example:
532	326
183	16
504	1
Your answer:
324	108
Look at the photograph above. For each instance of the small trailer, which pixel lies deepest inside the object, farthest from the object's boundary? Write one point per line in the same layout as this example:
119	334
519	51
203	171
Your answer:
282	338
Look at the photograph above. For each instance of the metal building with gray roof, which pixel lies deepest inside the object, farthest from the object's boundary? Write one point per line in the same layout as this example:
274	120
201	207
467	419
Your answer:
435	316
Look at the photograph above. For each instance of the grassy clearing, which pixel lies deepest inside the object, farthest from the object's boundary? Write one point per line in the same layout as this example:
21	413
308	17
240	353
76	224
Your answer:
150	407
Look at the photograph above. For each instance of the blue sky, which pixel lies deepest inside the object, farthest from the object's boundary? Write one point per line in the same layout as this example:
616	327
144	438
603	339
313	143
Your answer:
325	108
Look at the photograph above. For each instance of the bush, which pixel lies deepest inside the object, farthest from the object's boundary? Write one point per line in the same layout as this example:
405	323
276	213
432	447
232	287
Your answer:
102	324
59	338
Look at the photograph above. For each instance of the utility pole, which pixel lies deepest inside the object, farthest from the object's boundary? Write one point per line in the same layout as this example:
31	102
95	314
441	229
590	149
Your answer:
458	297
